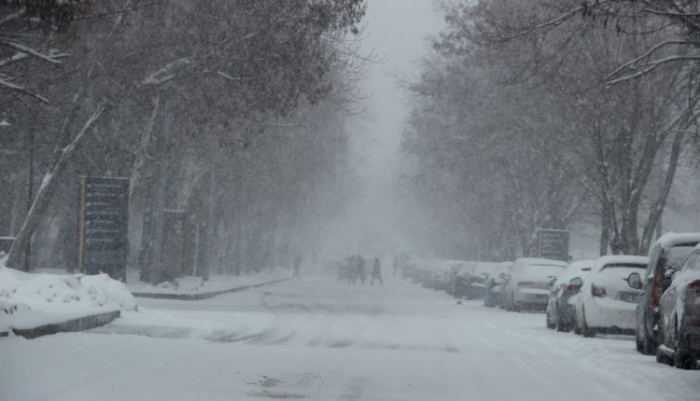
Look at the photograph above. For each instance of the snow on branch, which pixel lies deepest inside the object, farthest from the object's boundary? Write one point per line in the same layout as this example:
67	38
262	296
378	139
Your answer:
652	66
164	74
51	58
630	64
23	90
16	57
549	24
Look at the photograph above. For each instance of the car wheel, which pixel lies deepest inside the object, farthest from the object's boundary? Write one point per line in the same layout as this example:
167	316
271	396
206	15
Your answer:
661	357
683	358
550	324
639	343
585	330
561	326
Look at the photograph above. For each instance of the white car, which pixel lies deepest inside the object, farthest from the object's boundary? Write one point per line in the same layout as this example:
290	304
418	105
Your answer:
441	275
530	283
607	303
560	306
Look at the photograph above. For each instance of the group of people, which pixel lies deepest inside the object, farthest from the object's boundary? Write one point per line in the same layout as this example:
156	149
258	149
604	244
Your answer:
355	268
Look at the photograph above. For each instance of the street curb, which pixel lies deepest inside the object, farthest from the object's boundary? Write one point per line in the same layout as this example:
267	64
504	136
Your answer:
203	295
80	324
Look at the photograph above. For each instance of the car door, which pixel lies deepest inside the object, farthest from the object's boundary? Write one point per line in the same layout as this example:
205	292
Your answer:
669	299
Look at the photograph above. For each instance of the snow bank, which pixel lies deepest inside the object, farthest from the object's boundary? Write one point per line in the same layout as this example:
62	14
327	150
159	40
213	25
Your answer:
32	300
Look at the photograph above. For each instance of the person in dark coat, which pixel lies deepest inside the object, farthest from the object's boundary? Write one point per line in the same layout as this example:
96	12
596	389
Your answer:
377	272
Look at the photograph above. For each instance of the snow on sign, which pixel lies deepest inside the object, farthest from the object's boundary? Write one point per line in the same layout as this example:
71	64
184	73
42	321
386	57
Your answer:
552	244
103	224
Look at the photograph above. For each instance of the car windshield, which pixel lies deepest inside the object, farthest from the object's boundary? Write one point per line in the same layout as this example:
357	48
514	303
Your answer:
347	199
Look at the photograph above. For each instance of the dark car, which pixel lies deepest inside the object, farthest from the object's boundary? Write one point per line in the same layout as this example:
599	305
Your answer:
560	313
669	251
459	272
679	315
495	282
478	276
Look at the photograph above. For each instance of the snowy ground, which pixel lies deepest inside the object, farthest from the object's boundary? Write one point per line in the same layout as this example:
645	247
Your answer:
319	339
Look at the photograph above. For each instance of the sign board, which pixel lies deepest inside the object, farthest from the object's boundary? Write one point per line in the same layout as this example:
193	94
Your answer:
103	244
552	244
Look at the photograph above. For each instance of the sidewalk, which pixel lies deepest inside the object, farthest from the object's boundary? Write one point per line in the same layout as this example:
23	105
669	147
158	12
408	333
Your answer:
193	288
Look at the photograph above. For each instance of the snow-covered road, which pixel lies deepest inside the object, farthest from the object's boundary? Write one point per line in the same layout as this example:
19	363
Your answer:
320	339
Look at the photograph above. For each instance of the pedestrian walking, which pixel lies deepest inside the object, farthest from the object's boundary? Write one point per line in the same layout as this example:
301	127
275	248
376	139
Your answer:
297	265
396	264
361	271
377	272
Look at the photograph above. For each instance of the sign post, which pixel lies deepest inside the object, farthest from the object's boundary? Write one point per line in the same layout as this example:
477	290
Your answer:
552	244
103	243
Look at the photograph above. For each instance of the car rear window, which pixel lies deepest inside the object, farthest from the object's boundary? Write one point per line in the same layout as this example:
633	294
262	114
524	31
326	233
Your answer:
677	256
627	265
543	270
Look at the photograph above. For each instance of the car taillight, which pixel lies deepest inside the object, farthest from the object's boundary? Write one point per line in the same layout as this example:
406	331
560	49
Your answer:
598	291
693	294
572	287
694	286
526	282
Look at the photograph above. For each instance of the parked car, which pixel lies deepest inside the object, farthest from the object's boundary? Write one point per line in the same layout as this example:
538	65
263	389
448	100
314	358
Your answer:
459	273
494	283
439	275
679	314
476	282
560	312
669	252
607	302
530	282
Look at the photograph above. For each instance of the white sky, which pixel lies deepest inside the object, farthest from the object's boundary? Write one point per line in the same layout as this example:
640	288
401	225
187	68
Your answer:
397	32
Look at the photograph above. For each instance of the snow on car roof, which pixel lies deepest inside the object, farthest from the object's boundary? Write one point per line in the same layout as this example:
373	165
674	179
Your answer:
621	259
672	239
580	264
541	261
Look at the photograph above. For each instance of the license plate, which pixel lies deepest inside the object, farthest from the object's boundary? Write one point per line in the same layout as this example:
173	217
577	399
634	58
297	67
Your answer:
630	297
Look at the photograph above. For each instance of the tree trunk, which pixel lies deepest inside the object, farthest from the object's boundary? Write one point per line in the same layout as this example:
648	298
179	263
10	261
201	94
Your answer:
658	206
44	195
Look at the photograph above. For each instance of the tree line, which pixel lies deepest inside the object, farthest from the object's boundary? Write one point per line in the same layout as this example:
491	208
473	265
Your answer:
235	111
548	113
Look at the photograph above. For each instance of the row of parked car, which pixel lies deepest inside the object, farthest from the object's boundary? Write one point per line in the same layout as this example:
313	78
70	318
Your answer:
655	298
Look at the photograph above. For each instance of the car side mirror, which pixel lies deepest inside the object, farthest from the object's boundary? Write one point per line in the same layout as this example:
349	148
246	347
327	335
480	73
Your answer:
576	282
635	281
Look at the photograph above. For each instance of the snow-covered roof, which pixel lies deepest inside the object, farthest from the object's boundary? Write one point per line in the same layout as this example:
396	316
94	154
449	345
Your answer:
671	239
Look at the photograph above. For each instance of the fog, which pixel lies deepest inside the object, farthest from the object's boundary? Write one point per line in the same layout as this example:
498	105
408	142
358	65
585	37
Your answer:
374	222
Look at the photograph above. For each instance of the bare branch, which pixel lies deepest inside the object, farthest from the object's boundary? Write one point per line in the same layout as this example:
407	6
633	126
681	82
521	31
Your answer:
23	90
